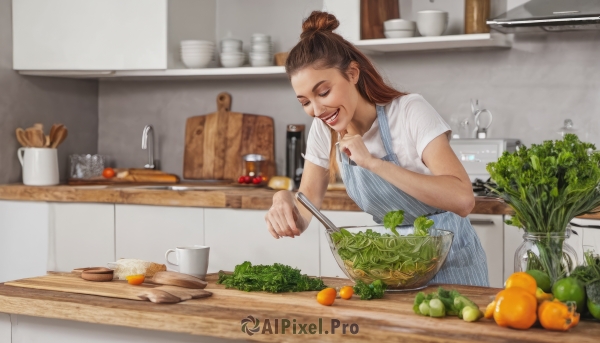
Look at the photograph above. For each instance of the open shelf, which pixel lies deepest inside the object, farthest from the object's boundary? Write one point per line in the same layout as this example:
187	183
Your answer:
169	74
471	41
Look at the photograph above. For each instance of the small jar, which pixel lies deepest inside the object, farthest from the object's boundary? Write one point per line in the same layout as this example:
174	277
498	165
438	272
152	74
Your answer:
254	165
477	12
548	252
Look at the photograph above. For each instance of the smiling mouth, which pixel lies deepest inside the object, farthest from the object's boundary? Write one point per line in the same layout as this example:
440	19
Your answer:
332	117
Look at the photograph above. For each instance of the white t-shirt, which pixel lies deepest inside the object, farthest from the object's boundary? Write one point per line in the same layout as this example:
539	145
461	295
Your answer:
413	124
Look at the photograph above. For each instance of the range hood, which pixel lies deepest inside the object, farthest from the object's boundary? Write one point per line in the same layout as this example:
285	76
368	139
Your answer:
550	16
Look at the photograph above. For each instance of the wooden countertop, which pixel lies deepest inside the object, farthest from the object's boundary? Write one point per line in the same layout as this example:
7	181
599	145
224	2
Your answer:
386	320
233	197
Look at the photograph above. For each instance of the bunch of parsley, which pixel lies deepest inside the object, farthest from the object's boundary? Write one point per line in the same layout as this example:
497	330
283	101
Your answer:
547	185
274	278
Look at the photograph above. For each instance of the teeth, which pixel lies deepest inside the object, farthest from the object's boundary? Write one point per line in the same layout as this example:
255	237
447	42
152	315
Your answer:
332	118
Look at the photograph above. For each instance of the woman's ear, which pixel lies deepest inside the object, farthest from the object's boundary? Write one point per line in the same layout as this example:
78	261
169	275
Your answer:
353	72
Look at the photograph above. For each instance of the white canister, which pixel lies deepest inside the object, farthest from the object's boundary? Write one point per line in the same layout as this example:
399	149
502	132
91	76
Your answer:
40	166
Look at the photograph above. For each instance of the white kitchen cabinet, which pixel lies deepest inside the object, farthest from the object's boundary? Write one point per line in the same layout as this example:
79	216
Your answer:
23	239
490	230
89	35
147	232
5	328
235	236
81	235
329	266
591	240
513	237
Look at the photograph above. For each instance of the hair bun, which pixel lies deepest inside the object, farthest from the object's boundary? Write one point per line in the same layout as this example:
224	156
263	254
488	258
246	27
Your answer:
319	21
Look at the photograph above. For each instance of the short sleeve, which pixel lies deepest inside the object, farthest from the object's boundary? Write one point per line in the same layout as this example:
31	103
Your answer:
423	122
318	144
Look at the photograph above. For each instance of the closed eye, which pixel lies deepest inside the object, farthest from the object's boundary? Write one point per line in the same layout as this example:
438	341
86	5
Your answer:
324	94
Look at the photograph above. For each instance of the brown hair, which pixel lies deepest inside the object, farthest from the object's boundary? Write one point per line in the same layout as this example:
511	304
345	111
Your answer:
320	47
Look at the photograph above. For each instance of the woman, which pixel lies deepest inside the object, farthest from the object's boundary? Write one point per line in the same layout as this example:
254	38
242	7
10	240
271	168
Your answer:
395	150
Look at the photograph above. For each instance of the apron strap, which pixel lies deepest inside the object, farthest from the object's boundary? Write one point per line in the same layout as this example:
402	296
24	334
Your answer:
384	130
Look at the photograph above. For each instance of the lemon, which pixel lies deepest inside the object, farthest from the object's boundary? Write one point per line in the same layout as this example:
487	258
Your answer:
281	183
542	279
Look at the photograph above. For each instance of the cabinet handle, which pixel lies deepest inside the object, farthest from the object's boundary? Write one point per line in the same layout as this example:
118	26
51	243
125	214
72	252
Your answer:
481	222
588	226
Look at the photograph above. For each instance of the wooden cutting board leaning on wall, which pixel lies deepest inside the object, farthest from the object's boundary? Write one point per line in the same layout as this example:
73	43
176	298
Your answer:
372	15
216	142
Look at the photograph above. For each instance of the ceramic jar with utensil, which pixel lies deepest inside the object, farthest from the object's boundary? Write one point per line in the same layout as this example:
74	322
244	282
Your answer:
40	166
39	156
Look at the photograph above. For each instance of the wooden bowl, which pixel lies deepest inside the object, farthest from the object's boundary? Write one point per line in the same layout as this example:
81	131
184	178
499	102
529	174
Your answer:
99	274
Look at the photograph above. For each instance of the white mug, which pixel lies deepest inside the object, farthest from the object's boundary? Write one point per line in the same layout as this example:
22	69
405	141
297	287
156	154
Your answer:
432	22
40	166
191	260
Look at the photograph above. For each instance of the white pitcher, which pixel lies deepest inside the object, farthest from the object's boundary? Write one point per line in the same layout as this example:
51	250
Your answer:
40	166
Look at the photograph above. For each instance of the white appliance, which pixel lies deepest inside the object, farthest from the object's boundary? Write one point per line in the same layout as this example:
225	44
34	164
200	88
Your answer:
475	154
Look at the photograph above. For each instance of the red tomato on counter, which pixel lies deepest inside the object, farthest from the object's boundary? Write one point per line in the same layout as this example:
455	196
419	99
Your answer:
108	173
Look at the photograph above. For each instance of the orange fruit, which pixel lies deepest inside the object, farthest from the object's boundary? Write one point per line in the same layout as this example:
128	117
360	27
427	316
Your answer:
346	292
135	279
522	280
515	308
326	296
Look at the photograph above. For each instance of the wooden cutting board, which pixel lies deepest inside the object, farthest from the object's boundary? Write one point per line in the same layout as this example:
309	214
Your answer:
216	142
372	15
131	175
115	289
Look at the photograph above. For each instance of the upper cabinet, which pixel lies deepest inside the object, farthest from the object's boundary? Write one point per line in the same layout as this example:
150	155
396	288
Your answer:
89	35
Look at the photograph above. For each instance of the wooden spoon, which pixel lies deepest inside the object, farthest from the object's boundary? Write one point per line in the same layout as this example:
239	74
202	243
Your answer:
59	137
53	130
22	137
35	137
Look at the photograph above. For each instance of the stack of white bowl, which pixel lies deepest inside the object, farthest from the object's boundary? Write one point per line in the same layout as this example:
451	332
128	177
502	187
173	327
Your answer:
261	54
197	53
232	55
398	28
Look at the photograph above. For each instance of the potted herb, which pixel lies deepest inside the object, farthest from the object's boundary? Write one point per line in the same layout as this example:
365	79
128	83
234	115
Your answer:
547	185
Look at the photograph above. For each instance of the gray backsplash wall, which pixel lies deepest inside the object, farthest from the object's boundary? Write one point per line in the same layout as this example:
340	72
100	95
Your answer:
530	89
28	100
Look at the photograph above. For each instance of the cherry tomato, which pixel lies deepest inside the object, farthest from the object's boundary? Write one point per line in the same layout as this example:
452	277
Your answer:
241	179
256	180
135	279
326	297
346	292
108	173
247	179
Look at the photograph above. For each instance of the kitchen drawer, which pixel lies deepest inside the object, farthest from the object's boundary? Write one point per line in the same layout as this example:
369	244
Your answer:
490	230
81	235
235	236
23	239
147	232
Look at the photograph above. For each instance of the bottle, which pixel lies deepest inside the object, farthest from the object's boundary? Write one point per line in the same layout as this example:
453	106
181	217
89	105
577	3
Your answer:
295	152
477	12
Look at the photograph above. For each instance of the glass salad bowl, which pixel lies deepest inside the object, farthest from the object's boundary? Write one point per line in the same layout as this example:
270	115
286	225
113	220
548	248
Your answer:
403	262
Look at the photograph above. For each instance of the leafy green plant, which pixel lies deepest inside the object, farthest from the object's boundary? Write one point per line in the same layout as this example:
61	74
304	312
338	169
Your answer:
374	290
392	219
274	278
394	259
547	185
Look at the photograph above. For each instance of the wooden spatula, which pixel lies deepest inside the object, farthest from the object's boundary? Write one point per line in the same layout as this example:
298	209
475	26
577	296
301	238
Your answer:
35	137
22	137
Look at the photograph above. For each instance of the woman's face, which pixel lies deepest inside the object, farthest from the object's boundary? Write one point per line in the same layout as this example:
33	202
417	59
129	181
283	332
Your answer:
327	95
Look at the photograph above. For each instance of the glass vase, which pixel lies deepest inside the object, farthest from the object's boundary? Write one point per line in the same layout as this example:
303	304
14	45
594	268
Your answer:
548	252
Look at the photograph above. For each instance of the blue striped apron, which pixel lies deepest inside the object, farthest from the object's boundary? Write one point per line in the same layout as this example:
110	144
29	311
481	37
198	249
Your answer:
466	263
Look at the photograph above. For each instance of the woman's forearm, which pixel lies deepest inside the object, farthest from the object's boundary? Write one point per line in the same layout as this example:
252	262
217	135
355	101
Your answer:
446	192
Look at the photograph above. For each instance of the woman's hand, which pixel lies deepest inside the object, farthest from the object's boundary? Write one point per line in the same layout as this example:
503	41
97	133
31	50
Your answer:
283	218
354	147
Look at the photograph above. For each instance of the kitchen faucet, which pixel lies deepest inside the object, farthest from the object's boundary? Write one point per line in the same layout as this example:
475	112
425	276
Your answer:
148	129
